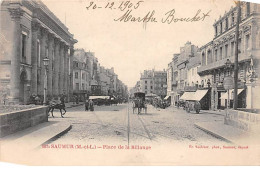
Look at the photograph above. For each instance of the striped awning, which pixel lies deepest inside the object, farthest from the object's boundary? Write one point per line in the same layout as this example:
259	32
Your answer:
225	95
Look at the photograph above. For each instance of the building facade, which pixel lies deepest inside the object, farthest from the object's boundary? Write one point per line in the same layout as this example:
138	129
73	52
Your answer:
81	74
153	82
30	32
215	54
179	69
146	82
160	83
90	78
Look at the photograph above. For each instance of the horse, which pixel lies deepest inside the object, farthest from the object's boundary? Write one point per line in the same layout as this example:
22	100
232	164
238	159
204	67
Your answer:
60	106
139	104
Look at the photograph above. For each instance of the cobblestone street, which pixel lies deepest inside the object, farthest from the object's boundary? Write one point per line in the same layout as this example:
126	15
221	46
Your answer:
118	125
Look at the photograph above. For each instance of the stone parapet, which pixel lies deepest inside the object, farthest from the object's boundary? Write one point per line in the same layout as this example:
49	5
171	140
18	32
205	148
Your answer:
19	120
243	120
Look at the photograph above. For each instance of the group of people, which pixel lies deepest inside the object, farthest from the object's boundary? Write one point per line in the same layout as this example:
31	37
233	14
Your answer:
89	105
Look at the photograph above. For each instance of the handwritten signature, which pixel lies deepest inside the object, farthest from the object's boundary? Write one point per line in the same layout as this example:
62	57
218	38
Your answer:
168	18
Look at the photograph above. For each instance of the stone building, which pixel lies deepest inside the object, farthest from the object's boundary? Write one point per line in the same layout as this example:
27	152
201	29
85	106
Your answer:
170	81
160	83
153	82
81	74
146	82
30	32
214	55
104	81
178	70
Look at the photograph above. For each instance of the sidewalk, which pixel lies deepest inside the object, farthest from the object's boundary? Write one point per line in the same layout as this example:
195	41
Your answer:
217	112
33	137
73	104
228	133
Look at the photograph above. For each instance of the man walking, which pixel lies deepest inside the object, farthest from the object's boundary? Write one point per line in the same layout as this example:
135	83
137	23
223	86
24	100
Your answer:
86	105
91	105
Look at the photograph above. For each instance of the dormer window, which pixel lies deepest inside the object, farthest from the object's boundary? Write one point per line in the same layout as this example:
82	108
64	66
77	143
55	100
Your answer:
232	19
221	30
247	8
226	23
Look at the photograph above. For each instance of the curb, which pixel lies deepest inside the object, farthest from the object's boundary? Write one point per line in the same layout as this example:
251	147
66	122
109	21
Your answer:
75	105
213	134
55	137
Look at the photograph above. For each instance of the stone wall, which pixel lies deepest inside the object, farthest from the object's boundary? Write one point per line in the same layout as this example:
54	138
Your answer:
19	120
243	120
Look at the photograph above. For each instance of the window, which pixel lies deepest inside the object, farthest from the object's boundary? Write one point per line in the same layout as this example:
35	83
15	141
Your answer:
220	53
77	86
47	52
247	41
145	87
23	48
232	19
76	75
232	48
151	87
221	27
216	55
209	57
239	46
53	61
226	51
83	75
216	30
226	23
83	87
248	8
145	82
203	59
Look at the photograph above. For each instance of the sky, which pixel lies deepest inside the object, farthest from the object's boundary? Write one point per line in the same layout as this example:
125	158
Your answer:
130	47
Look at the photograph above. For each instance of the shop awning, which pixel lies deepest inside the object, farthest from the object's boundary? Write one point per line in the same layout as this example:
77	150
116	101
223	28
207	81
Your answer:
187	96
98	97
225	96
166	97
199	94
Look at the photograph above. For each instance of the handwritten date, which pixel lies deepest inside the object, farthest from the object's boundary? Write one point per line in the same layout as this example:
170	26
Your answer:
112	5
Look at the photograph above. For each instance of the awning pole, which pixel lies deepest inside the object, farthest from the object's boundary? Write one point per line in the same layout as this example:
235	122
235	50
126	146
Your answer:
228	101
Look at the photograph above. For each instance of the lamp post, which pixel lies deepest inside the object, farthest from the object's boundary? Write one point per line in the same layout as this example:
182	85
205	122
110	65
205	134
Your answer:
209	100
45	63
236	55
252	79
227	67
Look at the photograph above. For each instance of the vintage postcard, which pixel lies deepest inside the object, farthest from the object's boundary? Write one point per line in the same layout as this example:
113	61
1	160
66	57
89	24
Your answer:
129	82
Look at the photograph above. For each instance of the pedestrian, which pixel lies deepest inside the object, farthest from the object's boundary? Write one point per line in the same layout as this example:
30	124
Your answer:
91	105
86	104
37	100
77	100
62	99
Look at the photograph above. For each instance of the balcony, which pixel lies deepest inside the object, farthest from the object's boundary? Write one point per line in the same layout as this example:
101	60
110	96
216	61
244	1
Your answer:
221	63
190	88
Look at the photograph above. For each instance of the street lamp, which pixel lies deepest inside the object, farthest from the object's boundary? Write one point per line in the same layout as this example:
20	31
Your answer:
45	63
228	65
209	99
252	79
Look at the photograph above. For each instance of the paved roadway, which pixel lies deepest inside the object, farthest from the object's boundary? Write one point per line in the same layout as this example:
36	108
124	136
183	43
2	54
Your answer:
118	125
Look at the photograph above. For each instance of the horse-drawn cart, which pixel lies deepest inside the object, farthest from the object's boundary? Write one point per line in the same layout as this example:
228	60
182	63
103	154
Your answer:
139	102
